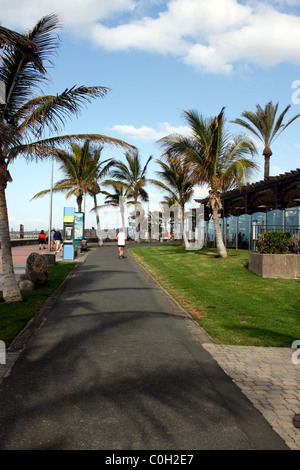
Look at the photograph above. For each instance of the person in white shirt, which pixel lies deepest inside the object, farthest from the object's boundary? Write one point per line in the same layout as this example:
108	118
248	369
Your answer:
121	237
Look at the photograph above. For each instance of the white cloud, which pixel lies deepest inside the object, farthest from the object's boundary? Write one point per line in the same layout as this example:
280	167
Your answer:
73	12
145	133
212	36
215	36
276	170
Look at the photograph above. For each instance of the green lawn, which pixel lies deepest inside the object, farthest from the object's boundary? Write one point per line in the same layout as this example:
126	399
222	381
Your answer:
14	316
232	304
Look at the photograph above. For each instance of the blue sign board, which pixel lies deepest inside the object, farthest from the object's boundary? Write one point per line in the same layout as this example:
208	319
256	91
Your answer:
79	226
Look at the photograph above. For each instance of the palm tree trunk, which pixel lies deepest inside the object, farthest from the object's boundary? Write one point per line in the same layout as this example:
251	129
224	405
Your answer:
181	214
11	291
122	202
267	154
137	225
221	250
79	202
100	241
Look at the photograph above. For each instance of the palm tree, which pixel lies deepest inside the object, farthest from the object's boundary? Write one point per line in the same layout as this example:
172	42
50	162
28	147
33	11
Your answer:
30	116
213	157
131	176
119	198
99	169
174	178
82	170
264	125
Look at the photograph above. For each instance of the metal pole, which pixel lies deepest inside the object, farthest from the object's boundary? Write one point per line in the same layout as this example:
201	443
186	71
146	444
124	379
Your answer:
50	215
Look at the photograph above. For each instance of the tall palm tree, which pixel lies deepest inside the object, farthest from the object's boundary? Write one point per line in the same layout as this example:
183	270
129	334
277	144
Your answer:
82	170
174	178
118	198
99	169
266	127
213	157
131	174
29	116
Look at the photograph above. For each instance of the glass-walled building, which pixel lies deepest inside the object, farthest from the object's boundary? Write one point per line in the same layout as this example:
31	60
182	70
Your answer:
269	205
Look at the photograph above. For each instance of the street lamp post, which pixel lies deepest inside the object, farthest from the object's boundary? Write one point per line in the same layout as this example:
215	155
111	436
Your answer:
50	211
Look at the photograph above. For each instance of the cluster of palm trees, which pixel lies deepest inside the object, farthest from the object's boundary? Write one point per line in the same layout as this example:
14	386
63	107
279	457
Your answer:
208	155
84	173
28	118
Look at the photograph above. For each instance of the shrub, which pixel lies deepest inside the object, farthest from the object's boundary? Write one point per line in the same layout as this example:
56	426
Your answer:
295	244
274	242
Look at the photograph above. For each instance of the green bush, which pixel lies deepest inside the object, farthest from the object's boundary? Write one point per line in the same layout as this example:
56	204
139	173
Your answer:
274	242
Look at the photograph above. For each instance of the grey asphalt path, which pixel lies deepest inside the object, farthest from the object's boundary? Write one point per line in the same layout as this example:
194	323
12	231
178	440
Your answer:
116	364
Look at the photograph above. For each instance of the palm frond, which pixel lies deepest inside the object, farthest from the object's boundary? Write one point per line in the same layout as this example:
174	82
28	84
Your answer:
45	148
52	112
23	45
21	78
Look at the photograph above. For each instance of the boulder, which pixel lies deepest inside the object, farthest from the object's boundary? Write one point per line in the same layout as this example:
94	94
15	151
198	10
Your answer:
36	270
26	284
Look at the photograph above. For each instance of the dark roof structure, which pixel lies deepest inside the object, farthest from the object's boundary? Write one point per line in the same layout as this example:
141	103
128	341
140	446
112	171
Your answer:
274	192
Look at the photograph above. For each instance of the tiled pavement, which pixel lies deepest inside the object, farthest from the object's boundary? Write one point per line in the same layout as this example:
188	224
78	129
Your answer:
269	379
266	376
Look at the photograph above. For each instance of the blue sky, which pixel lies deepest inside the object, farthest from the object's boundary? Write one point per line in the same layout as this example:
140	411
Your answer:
160	57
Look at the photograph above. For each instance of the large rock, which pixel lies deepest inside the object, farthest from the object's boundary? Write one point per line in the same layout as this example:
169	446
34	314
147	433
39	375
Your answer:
36	270
26	284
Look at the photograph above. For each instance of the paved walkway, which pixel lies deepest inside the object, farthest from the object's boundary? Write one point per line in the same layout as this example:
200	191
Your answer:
112	362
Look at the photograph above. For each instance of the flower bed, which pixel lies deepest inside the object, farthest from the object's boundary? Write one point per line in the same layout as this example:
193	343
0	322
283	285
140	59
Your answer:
285	266
278	256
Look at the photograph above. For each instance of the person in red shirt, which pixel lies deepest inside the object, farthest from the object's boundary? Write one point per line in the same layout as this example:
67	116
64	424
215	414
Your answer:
42	240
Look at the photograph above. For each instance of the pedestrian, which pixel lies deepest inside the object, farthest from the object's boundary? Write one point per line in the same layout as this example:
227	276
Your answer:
244	241
240	240
121	237
58	240
42	240
52	241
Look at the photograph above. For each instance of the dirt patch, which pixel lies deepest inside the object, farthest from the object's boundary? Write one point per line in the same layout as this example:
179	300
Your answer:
193	310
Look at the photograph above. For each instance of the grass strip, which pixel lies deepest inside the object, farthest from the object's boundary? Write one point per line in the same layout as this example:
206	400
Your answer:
234	305
14	316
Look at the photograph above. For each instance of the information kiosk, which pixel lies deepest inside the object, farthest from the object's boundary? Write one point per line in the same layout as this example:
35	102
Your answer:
68	233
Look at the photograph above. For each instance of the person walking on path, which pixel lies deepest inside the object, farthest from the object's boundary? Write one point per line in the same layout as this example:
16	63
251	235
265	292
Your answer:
121	237
42	240
58	240
52	241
